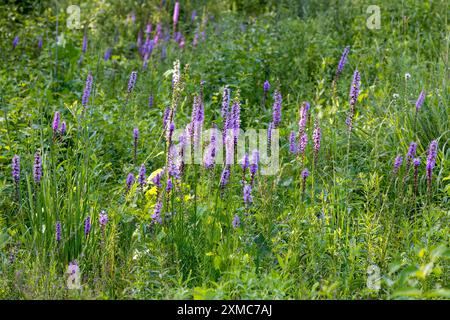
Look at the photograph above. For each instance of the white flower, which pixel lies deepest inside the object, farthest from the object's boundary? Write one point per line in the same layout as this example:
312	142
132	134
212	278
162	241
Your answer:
395	95
407	76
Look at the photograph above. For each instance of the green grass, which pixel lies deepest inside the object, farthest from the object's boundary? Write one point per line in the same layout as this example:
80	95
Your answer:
355	214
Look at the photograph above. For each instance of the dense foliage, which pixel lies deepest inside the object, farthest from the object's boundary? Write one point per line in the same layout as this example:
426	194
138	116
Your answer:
96	204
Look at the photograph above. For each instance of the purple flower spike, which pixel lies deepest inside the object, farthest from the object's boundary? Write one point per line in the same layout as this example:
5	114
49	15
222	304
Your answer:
142	179
56	120
130	181
85	42
292	143
276	116
303	143
176	13
225	177
63	128
15	42
225	102
316	139
16	168
58	231
169	185
87	225
354	89
245	162
108	54
420	100
431	161
397	163
156	216
305	174
343	61
37	169
87	90
103	218
132	81
247	194
266	86
236	221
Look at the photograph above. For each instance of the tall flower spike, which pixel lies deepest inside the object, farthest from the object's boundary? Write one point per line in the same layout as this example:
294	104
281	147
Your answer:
176	13
103	218
292	143
276	115
142	178
247	194
420	100
236	221
156	216
431	161
342	61
56	120
87	225
303	143
225	177
37	169
254	165
303	118
354	93
130	181
132	81
16	168
87	90
63	128
58	231
266	86
85	42
316	139
225	102
397	163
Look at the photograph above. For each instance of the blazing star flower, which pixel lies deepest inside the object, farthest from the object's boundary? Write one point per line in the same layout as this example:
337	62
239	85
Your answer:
225	177
236	119
193	15
56	119
87	225
236	221
87	90
397	163
292	143
156	216
176	13
431	161
150	101
103	218
211	152
40	43
303	143
316	139
343	61
176	73
411	154
141	179
130	181
247	194
416	163
266	86
16	168
254	165
58	231
73	268
132	81
169	185
157	179
148	28
85	42
354	93
108	54
305	174
276	116
245	162
420	100
303	118
63	128
225	102
269	134
37	169
15	42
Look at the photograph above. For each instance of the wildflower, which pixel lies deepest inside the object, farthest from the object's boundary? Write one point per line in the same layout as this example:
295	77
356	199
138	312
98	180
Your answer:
176	13
354	93
169	185
40	43
87	225
150	101
193	15
58	231
342	61
37	169
130	181
103	218
431	161
148	28
292	144
245	162
132	81
303	143
397	163
420	100
85	42
156	216
236	221
176	73
63	128
316	139
225	102
15	42
56	119
410	155
73	268
236	119
407	76
141	179
416	163
266	86
305	175
107	54
166	117
157	179
87	90
276	116
135	139
247	194
254	165
303	118
16	168
225	177
211	152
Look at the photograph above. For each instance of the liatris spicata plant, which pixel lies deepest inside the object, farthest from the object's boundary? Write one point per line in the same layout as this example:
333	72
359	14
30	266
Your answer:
431	162
103	218
156	216
142	178
166	117
87	226
247	194
266	86
63	128
132	81
107	54
135	142
302	144
16	169
157	179
397	163
169	185
176	14
225	102
150	101
269	136
354	93
292	143
87	90
225	177
303	118
37	168
411	153
58	231
305	175
236	118
85	43
40	43
316	139
416	163
236	221
420	101
55	125
254	166
276	115
15	42
210	154
342	62
129	182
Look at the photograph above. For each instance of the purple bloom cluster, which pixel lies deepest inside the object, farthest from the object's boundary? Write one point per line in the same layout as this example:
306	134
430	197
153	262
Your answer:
176	13
58	231
276	115
292	143
87	225
156	216
132	81
247	194
431	160
37	168
305	174
397	163
342	61
354	89
225	177
15	42
85	42
254	165
130	181
236	221
316	139
103	218
225	102
303	143
56	120
141	178
87	90
107	54
16	168
420	100
266	86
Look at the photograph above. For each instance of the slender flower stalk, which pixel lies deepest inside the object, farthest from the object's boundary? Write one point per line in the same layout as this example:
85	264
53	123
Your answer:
236	119
317	135
56	121
292	143
397	163
225	102
176	14
135	142
142	178
247	194
245	163
129	182
276	114
87	90
58	231
431	162
236	221
305	175
16	169
87	226
37	168
269	136
15	42
63	128
416	163
302	144
85	43
420	101
156	216
354	93
342	62
107	54
303	118
225	177
254	166
103	220
132	81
